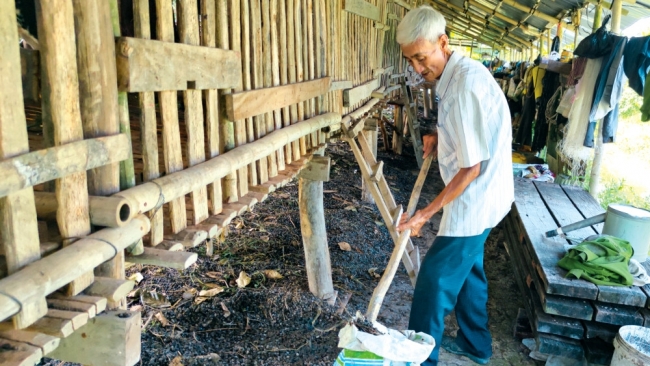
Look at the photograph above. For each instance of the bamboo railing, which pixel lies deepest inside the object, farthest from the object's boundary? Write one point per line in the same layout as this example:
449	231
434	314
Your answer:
163	125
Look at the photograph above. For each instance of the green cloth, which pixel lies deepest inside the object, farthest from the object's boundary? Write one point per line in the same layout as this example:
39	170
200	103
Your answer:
603	261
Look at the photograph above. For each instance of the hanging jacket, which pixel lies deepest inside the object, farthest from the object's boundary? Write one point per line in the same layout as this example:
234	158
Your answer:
645	108
636	62
603	261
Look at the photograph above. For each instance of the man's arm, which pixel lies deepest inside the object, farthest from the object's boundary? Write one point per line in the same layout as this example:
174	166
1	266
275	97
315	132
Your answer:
454	189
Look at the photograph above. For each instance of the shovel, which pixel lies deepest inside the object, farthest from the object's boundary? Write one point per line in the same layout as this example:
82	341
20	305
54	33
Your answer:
387	278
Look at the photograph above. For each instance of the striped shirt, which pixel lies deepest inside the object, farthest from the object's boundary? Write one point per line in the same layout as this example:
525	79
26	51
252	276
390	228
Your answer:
474	127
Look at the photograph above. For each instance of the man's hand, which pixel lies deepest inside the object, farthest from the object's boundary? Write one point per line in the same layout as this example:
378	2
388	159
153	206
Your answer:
415	223
430	143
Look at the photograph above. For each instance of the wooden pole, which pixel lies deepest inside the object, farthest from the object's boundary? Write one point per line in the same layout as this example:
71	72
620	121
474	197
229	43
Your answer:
18	225
314	237
104	211
371	136
600	150
57	40
66	264
598	15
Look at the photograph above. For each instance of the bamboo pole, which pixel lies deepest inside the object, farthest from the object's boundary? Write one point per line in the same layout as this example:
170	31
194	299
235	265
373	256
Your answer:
50	273
188	22
251	46
239	126
56	22
268	79
299	67
258	75
168	102
292	63
209	39
284	72
146	196
275	67
19	234
227	136
104	211
148	124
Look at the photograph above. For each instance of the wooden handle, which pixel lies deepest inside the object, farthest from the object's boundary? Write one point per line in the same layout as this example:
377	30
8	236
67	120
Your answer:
419	183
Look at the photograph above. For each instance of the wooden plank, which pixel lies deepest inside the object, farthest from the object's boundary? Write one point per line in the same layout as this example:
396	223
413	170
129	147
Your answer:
362	8
189	33
164	258
617	314
168	101
30	73
57	40
546	252
148	123
19	353
255	102
77	319
27	170
339	85
71	305
53	326
402	3
585	203
359	93
151	65
98	302
46	343
19	235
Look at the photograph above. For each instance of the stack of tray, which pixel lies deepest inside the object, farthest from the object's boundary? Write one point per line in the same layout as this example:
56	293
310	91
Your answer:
570	317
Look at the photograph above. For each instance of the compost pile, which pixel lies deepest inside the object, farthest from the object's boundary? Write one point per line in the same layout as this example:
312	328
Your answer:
249	303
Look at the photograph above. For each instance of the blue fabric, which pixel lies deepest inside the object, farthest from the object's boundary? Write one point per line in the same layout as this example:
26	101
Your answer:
452	277
636	62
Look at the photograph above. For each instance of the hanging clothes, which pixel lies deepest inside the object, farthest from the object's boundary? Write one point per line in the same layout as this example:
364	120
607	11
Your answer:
550	83
577	69
645	108
636	62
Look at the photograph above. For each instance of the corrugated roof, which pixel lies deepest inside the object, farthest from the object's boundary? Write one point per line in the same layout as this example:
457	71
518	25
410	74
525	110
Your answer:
512	25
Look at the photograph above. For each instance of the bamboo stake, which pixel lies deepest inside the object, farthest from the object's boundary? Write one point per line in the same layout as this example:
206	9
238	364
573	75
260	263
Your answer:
268	77
284	76
227	138
104	211
209	39
299	67
19	234
169	115
258	66
251	123
275	67
148	123
240	128
56	23
292	63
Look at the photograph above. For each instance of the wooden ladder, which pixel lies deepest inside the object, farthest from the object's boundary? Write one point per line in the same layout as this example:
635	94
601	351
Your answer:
371	171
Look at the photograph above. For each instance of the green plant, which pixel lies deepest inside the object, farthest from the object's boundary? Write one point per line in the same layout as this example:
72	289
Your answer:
617	192
630	103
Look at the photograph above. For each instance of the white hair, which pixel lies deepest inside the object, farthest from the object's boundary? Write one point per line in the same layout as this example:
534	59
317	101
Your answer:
421	23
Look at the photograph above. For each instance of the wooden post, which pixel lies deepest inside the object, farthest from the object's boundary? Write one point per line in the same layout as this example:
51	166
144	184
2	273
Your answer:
598	15
594	182
314	235
56	20
19	228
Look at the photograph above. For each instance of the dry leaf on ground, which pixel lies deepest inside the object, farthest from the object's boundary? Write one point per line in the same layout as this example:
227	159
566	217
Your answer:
243	280
226	311
177	361
265	238
189	294
136	277
373	272
162	319
211	292
215	275
350	208
272	274
345	246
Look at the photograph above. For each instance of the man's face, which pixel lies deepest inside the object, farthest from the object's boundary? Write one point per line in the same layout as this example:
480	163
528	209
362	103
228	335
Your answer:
427	58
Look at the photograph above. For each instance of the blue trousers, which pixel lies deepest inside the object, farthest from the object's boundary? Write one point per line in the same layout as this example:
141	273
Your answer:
452	276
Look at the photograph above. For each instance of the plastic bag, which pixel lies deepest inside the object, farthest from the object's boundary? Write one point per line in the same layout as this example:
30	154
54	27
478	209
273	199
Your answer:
392	348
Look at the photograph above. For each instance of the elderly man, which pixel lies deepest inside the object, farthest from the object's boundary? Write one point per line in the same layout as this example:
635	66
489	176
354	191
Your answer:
473	142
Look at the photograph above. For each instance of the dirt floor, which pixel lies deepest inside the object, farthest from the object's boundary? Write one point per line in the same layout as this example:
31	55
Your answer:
277	321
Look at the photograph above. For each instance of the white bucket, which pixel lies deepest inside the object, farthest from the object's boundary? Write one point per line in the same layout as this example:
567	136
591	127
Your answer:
632	345
632	224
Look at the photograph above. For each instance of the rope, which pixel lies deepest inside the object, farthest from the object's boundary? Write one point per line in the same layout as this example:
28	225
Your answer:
20	304
161	199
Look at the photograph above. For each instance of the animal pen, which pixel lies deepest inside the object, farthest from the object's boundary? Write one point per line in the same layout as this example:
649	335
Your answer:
155	140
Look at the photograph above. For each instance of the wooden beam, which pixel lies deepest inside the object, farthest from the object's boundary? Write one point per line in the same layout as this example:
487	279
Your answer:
19	353
164	258
104	211
111	288
37	167
112	337
46	343
401	3
362	8
77	319
359	93
255	102
150	65
338	85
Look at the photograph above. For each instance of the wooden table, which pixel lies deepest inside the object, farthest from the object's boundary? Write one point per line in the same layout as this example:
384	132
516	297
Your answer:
570	317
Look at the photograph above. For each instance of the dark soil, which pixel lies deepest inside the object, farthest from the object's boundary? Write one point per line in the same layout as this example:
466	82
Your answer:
278	321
